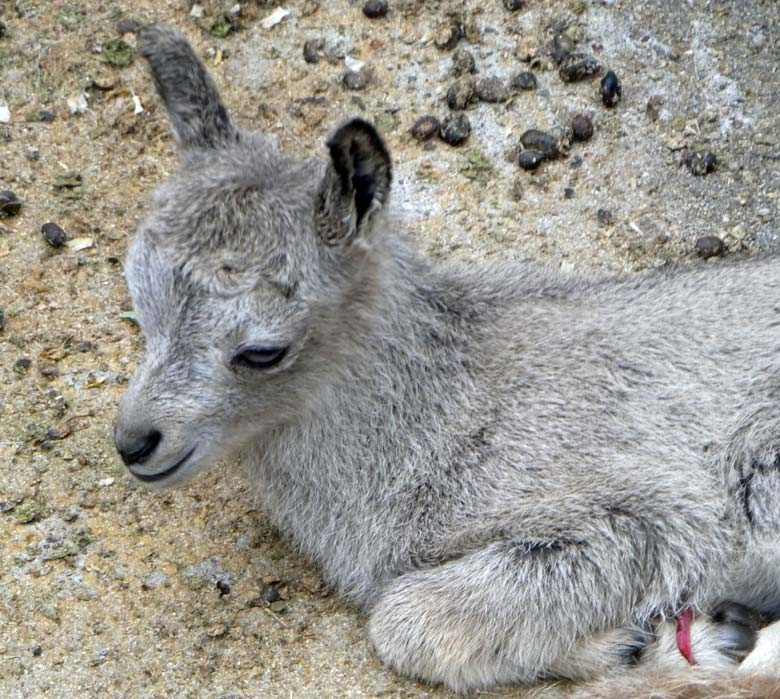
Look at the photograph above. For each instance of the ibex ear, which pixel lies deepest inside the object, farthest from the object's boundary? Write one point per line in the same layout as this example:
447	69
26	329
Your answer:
357	182
198	117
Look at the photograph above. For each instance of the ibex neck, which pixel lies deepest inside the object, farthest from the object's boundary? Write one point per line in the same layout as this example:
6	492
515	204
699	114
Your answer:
377	431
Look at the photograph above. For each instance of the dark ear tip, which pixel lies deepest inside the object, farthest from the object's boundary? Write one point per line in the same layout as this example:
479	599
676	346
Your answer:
357	125
358	129
358	136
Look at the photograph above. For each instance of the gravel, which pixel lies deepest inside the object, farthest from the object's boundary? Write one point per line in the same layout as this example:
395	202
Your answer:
455	129
313	50
462	93
605	217
356	79
524	80
463	62
448	35
155	580
700	163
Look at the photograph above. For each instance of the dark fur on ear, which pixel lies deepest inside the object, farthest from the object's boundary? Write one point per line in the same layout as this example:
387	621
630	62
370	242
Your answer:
360	172
198	117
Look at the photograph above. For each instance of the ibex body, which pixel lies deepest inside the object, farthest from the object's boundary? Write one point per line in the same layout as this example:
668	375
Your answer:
517	475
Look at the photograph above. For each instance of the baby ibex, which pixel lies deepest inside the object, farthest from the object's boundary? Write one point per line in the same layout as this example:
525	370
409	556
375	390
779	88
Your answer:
517	475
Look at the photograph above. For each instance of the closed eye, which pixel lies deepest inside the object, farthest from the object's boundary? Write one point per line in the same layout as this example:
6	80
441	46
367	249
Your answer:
258	356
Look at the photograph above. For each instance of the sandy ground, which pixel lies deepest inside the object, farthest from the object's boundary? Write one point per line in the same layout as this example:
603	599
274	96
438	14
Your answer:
107	590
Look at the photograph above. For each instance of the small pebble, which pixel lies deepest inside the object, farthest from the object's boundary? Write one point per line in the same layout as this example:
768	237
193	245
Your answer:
37	651
605	217
356	79
375	8
525	80
578	66
127	26
23	364
709	246
455	129
461	93
42	116
70	180
582	128
611	90
492	90
425	128
270	595
217	631
527	48
514	5
568	192
701	164
463	62
539	141
448	36
54	235
563	45
155	580
653	108
224	587
309	8
72	513
530	159
313	50
9	204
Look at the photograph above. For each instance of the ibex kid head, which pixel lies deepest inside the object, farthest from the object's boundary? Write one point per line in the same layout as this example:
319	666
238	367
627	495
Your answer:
244	276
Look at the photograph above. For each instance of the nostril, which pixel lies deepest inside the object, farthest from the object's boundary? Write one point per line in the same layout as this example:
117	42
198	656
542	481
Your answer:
140	449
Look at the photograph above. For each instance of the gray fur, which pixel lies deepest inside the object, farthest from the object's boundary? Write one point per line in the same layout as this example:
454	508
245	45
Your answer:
514	473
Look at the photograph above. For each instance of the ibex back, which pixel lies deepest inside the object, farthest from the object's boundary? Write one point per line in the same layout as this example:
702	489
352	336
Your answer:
517	475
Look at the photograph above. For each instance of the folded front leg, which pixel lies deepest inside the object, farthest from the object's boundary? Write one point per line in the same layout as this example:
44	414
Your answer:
511	612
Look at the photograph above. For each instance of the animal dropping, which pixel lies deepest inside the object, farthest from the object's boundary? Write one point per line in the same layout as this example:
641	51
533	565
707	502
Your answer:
611	89
514	473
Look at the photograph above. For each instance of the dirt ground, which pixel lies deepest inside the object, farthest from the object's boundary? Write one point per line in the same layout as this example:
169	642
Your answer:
107	590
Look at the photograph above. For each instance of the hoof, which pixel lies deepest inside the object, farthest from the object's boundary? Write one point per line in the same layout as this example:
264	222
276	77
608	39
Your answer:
737	629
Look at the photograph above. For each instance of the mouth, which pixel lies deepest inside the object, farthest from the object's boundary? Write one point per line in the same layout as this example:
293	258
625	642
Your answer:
161	475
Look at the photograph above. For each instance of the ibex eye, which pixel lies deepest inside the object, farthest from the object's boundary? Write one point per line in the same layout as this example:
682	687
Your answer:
258	357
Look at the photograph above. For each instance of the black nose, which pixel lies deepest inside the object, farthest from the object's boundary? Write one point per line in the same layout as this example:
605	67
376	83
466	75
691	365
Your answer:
137	449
